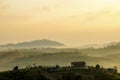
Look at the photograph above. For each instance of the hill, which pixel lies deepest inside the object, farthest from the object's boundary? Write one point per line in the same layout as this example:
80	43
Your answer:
28	57
60	73
109	56
34	44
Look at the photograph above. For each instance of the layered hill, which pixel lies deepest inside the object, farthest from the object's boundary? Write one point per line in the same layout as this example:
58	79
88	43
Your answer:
34	44
108	56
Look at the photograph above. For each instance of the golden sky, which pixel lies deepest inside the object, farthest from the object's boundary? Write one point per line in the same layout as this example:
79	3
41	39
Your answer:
69	21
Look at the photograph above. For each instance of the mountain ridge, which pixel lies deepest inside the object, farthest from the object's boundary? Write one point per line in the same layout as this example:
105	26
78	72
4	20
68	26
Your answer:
35	43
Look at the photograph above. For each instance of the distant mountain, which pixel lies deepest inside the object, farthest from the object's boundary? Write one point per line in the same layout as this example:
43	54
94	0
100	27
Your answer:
113	45
96	46
99	46
34	44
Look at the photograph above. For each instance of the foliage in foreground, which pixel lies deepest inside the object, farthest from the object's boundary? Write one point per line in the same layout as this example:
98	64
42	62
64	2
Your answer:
59	73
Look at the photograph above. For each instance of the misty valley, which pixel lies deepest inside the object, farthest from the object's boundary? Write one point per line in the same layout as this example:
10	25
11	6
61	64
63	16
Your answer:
59	40
42	58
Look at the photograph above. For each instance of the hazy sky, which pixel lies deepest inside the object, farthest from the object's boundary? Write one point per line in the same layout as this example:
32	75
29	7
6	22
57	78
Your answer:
69	21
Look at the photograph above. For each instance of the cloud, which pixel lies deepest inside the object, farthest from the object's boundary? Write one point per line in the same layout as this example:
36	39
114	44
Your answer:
13	17
45	9
93	16
4	7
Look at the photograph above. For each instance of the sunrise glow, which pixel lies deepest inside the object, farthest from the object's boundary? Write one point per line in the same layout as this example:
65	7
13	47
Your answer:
82	21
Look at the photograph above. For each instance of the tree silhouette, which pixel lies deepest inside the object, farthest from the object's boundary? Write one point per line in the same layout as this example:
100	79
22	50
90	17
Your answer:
97	66
15	68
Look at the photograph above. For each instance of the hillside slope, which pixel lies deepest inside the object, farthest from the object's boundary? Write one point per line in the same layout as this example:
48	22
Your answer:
34	44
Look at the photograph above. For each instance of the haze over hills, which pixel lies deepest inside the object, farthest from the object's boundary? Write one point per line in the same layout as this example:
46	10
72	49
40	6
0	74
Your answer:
100	45
108	55
34	44
44	43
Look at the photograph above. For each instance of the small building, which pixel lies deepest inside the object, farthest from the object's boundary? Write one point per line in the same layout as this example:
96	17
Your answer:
80	64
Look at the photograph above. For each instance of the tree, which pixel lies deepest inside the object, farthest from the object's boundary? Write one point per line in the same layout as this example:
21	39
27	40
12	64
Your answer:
97	66
78	77
57	66
68	76
15	68
115	69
